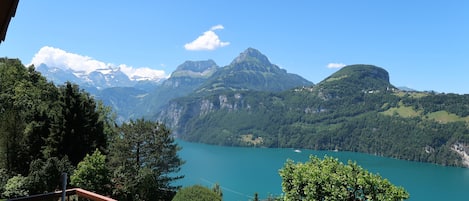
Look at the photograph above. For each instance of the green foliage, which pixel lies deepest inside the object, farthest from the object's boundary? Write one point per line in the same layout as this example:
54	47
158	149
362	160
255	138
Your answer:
39	120
16	186
145	161
329	179
26	100
4	176
196	193
42	126
93	174
45	174
76	129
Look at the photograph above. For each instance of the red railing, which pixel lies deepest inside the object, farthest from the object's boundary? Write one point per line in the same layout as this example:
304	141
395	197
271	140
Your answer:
57	194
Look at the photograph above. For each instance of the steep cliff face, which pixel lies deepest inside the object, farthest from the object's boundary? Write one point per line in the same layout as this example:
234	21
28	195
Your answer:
183	81
172	115
181	111
463	151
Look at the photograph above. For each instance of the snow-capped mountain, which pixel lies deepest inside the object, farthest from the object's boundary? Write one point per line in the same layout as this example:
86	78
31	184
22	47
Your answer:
60	66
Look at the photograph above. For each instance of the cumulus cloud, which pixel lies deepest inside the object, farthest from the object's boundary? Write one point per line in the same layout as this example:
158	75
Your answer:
55	57
335	65
209	40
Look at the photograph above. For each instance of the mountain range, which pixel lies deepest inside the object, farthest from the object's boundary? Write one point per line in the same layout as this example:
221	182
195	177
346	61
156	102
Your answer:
97	79
132	98
252	102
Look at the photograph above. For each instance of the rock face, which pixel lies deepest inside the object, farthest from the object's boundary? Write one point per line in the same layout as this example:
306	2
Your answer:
188	77
251	54
463	152
195	69
180	111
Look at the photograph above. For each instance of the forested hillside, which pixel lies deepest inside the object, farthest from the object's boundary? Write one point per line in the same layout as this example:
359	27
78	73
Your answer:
355	109
47	130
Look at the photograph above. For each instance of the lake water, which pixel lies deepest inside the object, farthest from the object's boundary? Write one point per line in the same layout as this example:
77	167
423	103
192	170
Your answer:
243	171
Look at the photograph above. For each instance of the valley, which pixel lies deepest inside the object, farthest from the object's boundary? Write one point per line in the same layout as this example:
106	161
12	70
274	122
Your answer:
252	102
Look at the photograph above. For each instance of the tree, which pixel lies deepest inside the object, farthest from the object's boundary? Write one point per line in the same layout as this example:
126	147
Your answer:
45	174
256	196
92	174
42	126
196	193
76	129
144	160
329	179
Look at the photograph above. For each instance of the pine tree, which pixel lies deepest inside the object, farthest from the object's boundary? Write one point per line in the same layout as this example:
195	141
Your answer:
144	158
76	129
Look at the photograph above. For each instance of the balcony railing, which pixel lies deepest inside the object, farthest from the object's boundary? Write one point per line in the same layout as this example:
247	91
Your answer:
54	196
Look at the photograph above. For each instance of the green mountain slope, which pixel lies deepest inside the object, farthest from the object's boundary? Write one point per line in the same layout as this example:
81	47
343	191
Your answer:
355	109
355	79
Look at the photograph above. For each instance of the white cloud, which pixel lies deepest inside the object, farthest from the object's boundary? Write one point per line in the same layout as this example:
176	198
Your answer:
55	57
209	40
335	65
216	27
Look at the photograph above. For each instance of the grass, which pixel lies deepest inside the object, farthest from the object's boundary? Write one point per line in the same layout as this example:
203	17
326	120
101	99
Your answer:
411	94
336	78
442	116
403	111
445	117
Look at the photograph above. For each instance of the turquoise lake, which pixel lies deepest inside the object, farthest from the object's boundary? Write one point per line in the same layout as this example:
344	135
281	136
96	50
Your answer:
243	171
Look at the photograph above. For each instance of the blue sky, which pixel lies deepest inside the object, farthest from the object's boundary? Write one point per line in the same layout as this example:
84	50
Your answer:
422	44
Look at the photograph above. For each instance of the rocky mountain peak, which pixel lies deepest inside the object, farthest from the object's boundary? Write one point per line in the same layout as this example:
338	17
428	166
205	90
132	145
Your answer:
197	66
250	55
195	69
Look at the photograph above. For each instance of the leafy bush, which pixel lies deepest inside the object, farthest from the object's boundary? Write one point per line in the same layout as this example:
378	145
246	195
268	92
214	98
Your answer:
196	193
93	174
330	179
16	186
